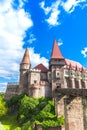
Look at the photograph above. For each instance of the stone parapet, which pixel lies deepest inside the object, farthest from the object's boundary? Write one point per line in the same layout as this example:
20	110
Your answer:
13	83
12	90
35	70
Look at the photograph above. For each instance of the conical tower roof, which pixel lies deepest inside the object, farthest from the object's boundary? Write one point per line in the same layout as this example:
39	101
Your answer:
26	58
56	53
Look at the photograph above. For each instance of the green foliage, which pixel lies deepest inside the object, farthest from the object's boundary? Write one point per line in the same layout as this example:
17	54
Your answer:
27	108
51	123
61	120
27	104
45	116
27	126
9	122
2	94
3	106
13	100
40	111
17	128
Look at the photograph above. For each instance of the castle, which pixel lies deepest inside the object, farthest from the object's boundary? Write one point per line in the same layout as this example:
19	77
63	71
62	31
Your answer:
65	79
40	81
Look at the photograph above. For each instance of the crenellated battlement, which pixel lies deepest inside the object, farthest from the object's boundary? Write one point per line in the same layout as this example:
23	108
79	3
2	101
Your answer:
35	70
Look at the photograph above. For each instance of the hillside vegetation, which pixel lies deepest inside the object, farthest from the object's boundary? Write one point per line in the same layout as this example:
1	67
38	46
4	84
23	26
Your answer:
23	112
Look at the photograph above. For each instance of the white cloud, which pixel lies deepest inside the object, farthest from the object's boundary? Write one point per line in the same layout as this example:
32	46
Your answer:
84	52
46	9
21	3
13	24
32	38
60	42
3	87
36	58
54	12
69	5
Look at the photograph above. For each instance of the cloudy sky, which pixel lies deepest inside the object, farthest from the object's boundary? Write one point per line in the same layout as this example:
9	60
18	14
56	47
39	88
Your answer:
35	24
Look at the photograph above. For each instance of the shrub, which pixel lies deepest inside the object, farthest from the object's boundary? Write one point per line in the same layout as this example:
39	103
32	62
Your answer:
17	128
27	126
3	106
40	111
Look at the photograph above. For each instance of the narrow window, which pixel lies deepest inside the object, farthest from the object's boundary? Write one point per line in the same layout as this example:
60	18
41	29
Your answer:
35	81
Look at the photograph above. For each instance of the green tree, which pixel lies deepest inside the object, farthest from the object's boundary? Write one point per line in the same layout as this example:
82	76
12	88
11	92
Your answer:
39	111
3	106
27	107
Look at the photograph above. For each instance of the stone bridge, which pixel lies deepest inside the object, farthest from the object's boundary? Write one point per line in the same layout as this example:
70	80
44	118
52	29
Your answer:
71	92
72	104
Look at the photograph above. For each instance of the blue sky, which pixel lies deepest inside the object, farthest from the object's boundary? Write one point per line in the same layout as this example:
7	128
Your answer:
35	24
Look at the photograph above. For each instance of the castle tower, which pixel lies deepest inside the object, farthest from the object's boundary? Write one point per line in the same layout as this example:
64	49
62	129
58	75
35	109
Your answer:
24	68
56	63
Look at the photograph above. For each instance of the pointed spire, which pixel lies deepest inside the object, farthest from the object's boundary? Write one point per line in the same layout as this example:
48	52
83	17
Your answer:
26	58
56	53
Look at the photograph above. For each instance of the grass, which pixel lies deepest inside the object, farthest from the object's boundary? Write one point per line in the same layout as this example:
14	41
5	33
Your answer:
9	122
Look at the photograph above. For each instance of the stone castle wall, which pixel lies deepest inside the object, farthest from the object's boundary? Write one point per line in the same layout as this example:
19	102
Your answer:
73	114
74	111
12	90
42	91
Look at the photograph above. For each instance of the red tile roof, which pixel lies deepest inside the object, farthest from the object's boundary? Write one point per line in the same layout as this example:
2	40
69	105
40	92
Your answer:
56	53
26	58
74	65
41	67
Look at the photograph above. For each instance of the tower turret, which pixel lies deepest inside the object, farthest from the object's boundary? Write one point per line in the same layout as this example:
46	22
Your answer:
56	55
24	68
25	64
56	64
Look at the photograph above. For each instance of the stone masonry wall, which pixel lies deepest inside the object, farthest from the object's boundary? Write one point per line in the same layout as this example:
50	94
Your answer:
12	89
73	109
85	112
73	113
40	91
59	107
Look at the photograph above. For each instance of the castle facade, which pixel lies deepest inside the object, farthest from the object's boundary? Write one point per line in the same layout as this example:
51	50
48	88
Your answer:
43	82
